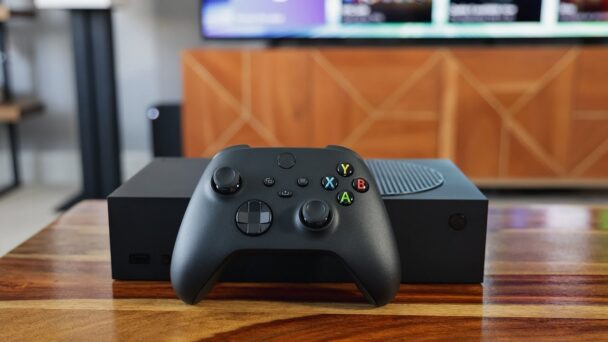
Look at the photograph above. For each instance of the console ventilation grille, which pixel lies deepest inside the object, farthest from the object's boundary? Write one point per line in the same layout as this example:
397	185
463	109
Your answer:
395	177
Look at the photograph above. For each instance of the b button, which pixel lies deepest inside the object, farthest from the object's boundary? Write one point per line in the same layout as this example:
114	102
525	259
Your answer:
360	185
345	169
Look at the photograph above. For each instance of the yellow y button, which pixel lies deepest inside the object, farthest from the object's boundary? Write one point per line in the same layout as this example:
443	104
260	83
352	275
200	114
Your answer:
345	169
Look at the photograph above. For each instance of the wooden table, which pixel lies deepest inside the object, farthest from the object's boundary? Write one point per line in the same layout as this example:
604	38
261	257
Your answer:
546	278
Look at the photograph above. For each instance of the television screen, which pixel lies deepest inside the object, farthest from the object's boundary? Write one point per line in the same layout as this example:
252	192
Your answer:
410	19
583	10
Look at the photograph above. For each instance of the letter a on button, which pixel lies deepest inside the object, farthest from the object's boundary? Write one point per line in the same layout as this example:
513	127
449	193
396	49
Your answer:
345	198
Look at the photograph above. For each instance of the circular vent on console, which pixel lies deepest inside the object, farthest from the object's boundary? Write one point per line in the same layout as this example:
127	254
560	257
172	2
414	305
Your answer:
396	177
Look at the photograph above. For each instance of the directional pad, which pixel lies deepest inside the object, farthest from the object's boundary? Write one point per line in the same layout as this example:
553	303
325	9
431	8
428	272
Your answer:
254	217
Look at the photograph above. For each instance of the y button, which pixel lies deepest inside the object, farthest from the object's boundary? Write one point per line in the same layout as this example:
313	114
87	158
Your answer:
345	169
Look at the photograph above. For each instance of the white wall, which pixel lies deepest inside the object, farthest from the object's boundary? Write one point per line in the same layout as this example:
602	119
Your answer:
149	35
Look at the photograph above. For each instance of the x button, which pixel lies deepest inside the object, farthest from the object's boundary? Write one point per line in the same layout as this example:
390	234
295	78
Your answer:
329	183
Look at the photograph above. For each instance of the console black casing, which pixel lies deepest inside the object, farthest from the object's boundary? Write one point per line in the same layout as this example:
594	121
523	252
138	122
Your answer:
146	212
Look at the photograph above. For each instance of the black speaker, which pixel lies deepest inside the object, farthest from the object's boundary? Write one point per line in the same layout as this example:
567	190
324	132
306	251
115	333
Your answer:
166	129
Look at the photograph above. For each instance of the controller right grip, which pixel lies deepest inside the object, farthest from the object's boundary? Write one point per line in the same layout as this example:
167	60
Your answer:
376	273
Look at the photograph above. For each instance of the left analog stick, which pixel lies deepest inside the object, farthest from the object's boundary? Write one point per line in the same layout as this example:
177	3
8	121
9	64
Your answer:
226	180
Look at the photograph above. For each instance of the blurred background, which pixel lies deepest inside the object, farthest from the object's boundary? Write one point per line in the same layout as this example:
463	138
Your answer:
514	92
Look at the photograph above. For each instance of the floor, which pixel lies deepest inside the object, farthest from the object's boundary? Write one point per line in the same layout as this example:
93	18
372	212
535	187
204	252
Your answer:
27	210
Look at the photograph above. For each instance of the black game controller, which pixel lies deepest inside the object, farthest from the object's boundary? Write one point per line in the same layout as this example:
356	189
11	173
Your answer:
281	200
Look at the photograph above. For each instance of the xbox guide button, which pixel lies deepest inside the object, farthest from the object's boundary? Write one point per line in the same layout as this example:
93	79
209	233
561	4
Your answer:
286	160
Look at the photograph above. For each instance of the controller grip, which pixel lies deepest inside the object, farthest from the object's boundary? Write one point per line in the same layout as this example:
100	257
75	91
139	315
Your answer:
376	273
193	283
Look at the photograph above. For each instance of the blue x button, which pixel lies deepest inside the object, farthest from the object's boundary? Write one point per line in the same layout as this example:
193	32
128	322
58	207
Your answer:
329	183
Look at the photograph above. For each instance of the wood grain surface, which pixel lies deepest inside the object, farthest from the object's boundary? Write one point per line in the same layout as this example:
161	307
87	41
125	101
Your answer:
546	279
541	115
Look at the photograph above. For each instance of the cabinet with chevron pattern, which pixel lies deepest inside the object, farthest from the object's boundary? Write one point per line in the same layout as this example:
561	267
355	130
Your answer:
508	116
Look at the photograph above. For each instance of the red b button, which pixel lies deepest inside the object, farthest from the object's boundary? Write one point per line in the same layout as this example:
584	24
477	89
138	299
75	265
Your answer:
360	185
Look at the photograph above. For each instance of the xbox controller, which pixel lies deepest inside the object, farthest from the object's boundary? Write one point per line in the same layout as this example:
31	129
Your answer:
282	200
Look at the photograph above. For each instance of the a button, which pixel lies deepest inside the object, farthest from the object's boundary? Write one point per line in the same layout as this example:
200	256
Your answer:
360	185
315	214
302	181
346	198
226	180
286	160
285	193
254	218
329	183
269	181
345	169
458	221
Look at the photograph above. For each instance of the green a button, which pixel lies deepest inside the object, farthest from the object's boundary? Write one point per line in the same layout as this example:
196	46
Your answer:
346	198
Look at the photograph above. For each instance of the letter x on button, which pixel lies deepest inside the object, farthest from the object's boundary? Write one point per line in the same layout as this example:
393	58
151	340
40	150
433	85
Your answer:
329	183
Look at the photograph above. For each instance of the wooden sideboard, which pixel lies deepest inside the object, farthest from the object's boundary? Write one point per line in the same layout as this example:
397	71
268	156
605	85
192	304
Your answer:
508	116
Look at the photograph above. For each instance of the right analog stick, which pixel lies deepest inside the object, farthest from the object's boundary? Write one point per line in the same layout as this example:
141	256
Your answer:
315	214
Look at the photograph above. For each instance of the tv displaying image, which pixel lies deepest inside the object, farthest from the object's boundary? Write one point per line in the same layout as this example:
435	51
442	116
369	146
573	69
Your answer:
387	11
403	19
583	10
261	18
495	11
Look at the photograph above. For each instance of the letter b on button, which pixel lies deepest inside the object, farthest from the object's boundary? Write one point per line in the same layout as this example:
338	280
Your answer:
360	185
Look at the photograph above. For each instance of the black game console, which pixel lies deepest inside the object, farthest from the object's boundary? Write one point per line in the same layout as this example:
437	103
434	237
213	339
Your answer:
438	216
